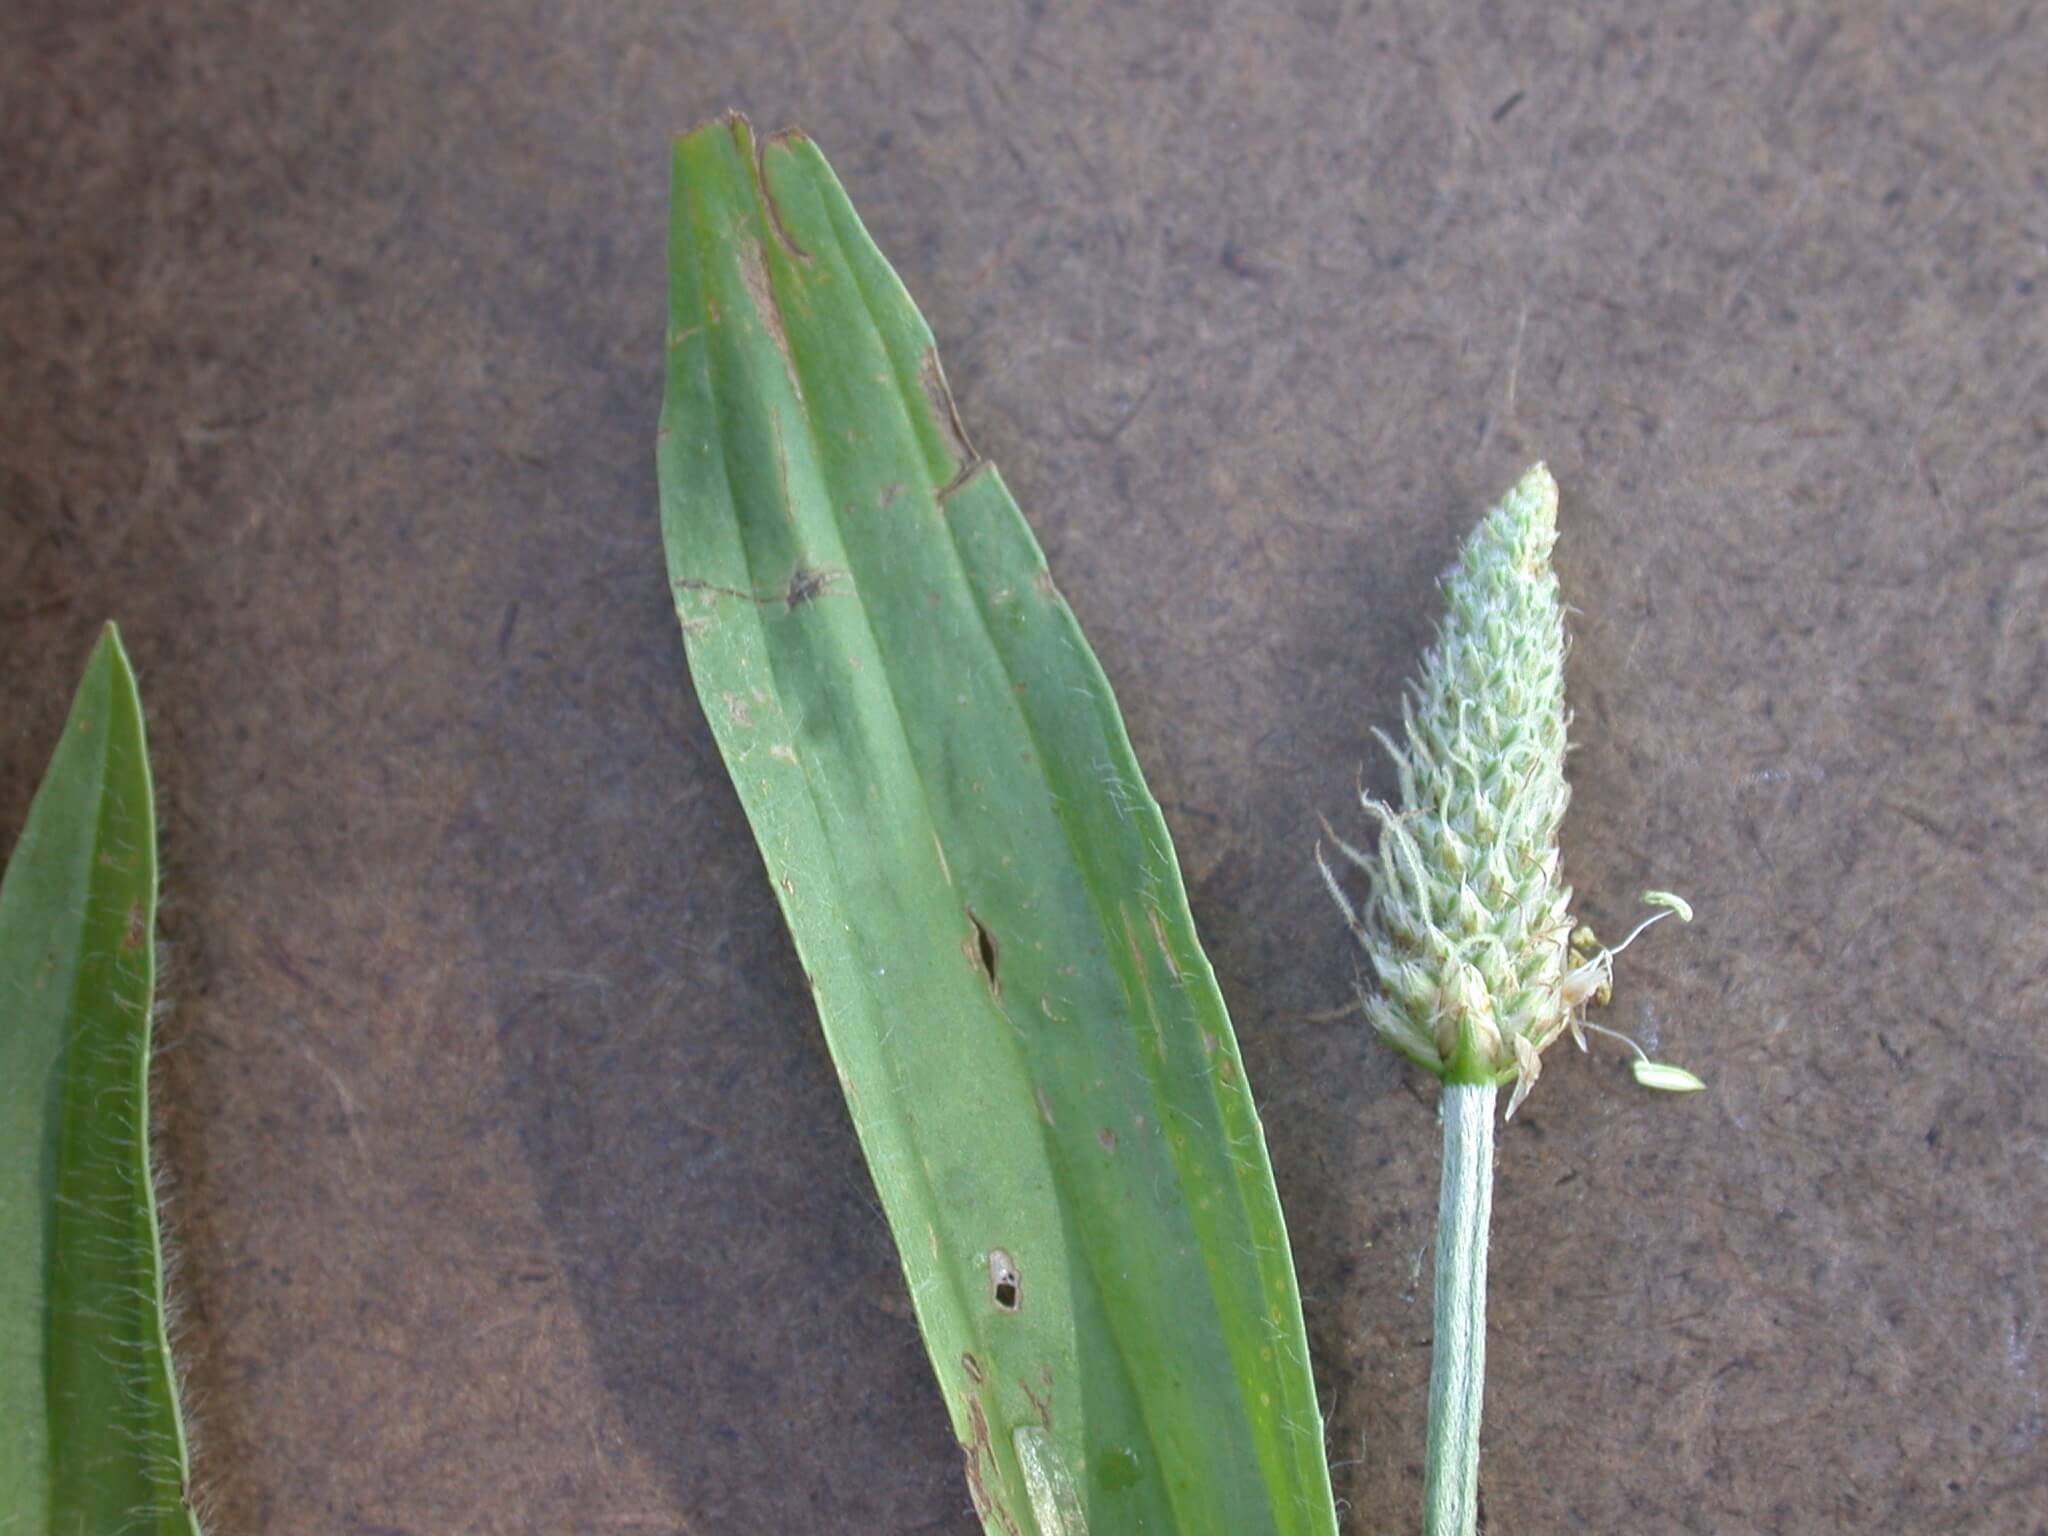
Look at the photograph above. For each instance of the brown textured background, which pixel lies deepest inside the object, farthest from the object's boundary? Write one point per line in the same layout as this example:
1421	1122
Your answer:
512	1185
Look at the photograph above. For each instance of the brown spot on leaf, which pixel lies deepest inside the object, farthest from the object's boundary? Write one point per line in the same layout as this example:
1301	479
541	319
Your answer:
709	588
976	1489
754	273
984	954
1043	1406
781	139
132	939
961	481
808	582
976	1449
944	411
977	1422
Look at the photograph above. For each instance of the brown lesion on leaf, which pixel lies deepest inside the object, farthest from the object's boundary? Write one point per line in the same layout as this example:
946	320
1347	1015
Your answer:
977	1448
984	954
775	223
782	138
138	928
939	395
754	273
977	1490
698	584
1044	583
961	481
810	582
806	584
1042	1405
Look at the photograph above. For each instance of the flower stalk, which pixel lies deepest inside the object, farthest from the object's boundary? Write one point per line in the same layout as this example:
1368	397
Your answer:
1467	924
1457	1364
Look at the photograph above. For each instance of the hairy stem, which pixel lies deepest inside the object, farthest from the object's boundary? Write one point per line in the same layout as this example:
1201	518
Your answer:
1458	1359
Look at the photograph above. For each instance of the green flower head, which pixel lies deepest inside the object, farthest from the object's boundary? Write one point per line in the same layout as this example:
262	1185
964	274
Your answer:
1468	925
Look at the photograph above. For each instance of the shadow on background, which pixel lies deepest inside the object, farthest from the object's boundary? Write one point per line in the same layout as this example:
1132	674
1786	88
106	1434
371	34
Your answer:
678	1111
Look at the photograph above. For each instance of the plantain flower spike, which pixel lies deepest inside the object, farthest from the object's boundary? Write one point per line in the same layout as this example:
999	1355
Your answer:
1467	924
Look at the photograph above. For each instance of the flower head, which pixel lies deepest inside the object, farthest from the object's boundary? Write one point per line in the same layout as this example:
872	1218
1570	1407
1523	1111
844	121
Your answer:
1468	925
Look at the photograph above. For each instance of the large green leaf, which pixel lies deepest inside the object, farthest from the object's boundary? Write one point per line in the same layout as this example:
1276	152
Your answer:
90	1440
980	887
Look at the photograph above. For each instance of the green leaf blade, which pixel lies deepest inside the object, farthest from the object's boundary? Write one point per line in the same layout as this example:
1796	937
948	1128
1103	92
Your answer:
980	886
88	1399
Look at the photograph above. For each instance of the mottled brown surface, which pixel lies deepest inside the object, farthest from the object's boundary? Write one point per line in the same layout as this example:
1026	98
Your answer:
513	1188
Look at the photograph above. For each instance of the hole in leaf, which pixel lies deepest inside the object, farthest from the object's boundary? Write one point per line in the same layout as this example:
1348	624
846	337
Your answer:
1003	1282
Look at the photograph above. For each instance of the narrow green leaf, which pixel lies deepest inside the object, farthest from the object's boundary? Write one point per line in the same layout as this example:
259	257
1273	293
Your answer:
980	887
90	1439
